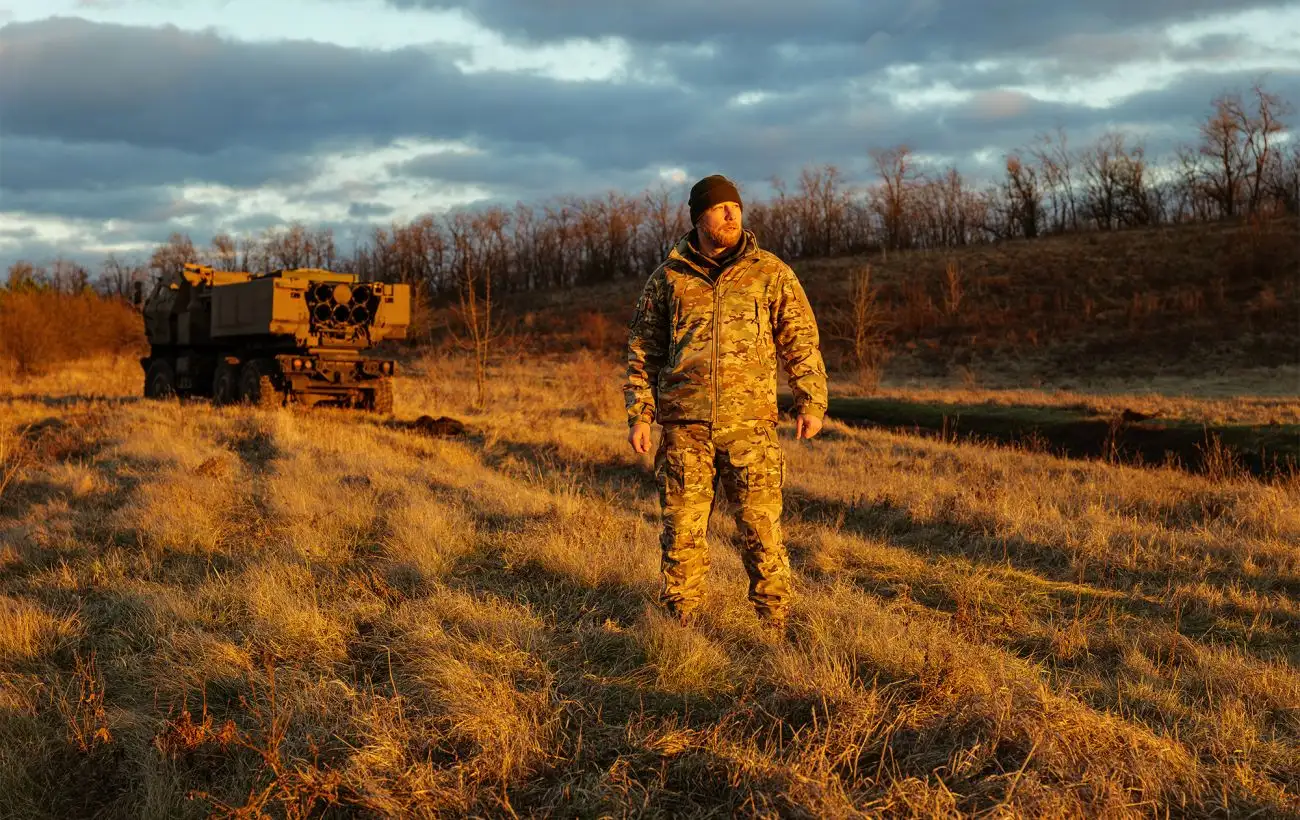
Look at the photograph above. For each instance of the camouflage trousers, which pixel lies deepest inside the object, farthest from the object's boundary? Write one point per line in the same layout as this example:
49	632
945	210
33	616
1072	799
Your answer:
748	460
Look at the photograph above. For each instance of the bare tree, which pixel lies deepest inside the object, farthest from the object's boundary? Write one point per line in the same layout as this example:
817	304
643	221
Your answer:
1056	167
667	220
1223	144
24	275
823	202
897	176
1136	200
560	235
1260	126
69	277
1024	197
1283	179
225	252
776	221
479	327
862	325
290	248
171	257
1116	192
525	248
117	278
955	201
324	254
252	255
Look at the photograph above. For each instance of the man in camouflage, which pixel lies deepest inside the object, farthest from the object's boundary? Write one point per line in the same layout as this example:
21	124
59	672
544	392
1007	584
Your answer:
711	326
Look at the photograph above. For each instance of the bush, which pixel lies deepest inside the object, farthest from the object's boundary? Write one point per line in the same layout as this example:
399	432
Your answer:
596	331
43	328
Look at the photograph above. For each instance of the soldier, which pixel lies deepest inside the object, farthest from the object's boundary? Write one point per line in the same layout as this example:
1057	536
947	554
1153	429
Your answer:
711	326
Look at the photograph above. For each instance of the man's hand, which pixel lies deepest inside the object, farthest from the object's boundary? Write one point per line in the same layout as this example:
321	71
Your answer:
639	437
807	426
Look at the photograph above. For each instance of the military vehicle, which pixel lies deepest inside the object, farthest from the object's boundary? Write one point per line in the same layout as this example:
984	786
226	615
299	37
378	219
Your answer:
268	339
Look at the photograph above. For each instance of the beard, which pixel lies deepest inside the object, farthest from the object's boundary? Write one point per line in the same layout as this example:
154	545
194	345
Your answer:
724	235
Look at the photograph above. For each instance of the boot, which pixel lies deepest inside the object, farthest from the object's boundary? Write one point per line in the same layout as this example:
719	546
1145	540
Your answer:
685	617
773	624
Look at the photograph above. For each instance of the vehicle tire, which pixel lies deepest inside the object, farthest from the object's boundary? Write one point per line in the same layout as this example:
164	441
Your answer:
381	397
225	383
257	387
160	380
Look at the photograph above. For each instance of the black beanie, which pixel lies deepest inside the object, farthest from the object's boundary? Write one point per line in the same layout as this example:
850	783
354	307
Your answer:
709	192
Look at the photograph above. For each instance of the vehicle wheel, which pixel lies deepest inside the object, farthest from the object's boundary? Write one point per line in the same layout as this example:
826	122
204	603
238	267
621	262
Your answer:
381	397
160	380
256	387
225	383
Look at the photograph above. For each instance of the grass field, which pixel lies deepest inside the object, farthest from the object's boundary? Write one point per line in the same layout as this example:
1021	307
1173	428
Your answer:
227	611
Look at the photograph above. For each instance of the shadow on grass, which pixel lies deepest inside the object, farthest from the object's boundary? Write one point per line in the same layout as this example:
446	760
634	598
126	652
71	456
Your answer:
626	739
626	744
1065	577
78	528
71	400
613	478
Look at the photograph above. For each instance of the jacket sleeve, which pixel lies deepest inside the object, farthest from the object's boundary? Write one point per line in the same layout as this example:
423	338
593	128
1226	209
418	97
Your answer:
799	346
647	350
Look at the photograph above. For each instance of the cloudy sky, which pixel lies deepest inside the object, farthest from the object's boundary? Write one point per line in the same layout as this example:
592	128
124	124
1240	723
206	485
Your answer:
124	120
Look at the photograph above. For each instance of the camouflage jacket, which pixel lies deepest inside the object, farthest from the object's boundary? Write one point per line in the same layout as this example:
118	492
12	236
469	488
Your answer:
705	348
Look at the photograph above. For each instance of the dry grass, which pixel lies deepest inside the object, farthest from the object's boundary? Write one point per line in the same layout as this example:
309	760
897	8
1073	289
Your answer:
229	611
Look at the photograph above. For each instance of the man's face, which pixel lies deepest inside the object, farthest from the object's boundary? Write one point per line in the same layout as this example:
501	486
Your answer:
721	224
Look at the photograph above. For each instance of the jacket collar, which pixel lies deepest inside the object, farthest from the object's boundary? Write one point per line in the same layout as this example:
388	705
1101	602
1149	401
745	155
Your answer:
683	254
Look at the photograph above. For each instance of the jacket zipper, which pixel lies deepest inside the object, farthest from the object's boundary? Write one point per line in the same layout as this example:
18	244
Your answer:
717	334
715	287
717	331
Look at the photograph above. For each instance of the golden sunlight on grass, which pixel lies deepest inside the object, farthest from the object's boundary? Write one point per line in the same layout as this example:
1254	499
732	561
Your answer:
218	610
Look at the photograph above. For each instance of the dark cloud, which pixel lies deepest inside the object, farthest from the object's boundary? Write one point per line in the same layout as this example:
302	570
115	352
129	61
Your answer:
368	210
129	204
507	172
51	163
105	121
199	93
915	28
42	253
737	45
166	105
196	92
14	234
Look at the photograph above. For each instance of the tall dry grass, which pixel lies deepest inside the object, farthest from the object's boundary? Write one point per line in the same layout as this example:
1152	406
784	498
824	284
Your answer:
219	610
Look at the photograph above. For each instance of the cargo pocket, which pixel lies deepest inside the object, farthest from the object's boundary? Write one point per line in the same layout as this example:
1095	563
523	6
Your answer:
670	474
684	476
774	455
756	461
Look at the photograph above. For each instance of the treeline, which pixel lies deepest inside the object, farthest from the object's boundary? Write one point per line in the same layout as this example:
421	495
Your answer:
1243	163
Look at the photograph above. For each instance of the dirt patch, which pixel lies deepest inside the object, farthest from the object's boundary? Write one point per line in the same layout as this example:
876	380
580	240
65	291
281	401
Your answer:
440	427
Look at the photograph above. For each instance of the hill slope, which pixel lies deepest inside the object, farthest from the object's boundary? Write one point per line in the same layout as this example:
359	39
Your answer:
1186	301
